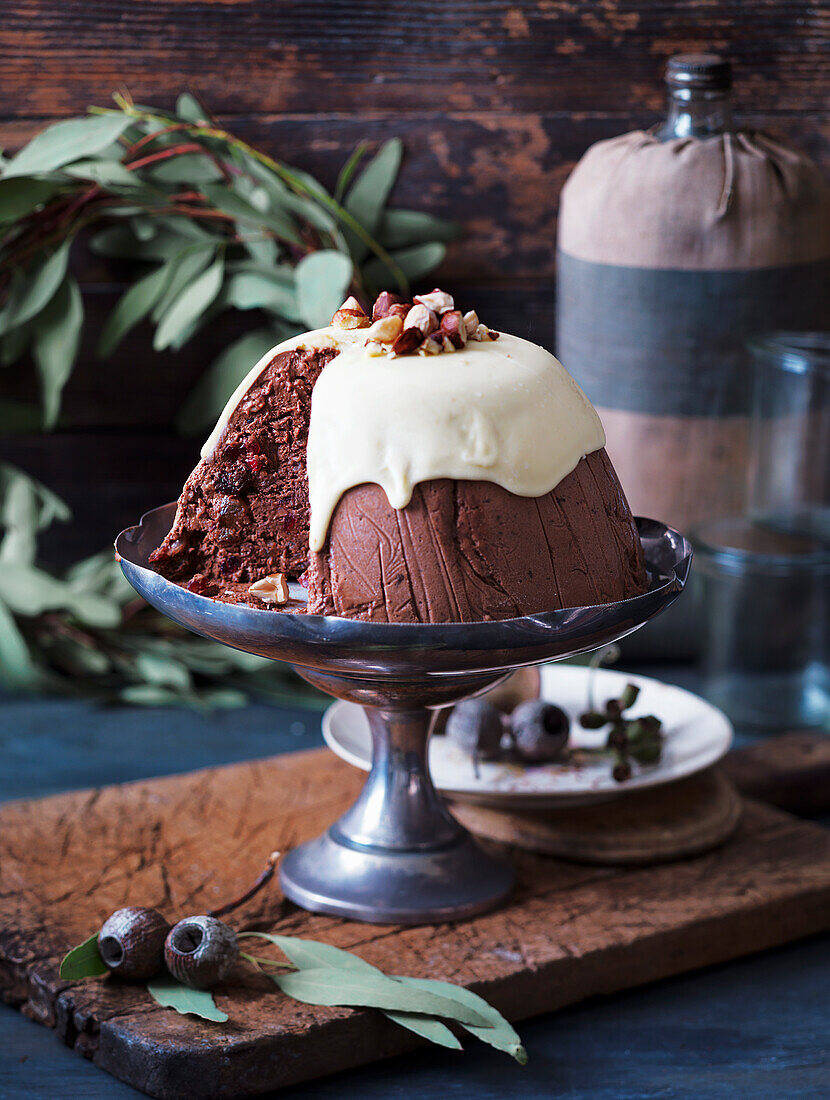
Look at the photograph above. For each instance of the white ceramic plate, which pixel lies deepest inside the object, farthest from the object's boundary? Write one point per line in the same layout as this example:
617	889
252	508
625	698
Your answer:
697	734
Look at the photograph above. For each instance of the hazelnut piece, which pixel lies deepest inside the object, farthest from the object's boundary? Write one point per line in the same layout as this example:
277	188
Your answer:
453	328
386	329
271	589
384	304
408	341
131	942
437	300
423	318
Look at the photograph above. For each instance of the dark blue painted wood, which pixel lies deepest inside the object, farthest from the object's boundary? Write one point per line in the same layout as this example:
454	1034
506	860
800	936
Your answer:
758	1027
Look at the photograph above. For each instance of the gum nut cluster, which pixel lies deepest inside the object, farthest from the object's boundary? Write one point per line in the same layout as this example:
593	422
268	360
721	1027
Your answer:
536	731
136	943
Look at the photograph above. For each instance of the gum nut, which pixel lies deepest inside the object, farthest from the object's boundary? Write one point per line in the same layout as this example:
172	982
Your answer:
201	951
476	727
540	731
131	942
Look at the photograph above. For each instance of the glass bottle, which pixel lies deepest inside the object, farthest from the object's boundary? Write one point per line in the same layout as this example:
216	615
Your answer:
699	97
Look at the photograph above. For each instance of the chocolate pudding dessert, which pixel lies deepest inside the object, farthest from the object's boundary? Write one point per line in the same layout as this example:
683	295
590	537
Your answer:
413	466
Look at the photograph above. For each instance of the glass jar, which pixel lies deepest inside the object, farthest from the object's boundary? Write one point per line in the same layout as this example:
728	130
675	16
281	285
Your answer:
765	605
789	455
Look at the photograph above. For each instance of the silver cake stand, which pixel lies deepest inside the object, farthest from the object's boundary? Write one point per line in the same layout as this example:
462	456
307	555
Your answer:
398	856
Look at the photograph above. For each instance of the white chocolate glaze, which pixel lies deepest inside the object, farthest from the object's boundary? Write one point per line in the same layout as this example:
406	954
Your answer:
504	411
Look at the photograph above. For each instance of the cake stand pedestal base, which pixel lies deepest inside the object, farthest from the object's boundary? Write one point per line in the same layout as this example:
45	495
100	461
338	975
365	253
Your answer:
397	856
373	885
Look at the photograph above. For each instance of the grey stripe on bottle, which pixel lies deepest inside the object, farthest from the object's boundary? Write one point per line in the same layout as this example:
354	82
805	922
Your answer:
671	342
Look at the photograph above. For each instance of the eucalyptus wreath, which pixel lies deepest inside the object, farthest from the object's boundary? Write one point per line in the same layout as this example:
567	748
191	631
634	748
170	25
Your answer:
209	224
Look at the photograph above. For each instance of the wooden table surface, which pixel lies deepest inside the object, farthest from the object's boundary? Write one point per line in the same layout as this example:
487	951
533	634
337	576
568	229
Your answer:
756	1027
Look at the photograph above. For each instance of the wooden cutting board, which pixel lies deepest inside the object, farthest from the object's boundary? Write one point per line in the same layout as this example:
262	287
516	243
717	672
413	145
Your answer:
188	843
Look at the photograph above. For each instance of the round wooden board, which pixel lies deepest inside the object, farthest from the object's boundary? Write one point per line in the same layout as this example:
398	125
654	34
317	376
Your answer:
650	826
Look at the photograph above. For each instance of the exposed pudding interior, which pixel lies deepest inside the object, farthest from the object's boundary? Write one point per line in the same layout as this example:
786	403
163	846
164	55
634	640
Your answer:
413	466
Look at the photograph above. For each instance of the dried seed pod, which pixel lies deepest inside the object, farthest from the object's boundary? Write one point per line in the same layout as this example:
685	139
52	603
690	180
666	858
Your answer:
131	942
385	303
453	328
201	951
408	341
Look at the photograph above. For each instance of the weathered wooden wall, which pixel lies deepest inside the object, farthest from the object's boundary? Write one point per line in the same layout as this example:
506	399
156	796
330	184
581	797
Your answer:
495	103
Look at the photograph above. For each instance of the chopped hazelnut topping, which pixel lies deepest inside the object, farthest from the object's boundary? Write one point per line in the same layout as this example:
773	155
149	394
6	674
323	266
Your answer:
385	304
350	318
471	322
452	326
374	348
386	330
423	318
437	300
431	323
408	341
271	589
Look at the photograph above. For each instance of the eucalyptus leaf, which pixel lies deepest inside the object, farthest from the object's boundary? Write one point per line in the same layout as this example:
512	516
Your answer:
65	142
193	169
83	961
348	170
186	266
19	197
311	954
367	197
206	401
57	337
19	517
328	985
163	671
426	1027
402	228
132	307
189	109
109	173
242	210
30	591
169	993
190	304
33	290
415	262
263	250
323	281
249	290
499	1033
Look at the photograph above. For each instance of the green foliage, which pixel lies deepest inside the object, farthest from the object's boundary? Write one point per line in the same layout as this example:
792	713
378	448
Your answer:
169	993
327	975
83	961
208	224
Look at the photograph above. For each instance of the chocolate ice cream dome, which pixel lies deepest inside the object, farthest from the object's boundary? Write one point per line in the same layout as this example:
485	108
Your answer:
413	467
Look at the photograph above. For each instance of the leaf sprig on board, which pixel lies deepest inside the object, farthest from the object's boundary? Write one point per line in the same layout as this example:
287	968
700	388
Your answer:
321	974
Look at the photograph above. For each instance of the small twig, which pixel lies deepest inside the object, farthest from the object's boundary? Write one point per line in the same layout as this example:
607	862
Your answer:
264	878
164	154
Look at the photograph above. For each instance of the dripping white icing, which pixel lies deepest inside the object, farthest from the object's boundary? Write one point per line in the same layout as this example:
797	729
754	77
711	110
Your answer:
504	411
